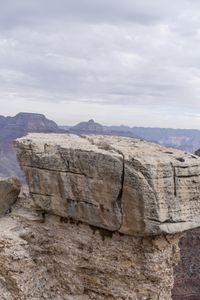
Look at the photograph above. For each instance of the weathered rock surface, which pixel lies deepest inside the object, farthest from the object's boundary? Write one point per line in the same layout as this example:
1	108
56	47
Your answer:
187	275
9	191
97	222
119	184
50	258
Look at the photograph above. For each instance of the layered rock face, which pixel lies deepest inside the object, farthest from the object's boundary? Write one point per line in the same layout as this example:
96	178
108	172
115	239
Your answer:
119	184
187	277
105	221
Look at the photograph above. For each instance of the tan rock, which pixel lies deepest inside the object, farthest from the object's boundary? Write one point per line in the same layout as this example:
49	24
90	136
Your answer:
120	184
59	260
9	191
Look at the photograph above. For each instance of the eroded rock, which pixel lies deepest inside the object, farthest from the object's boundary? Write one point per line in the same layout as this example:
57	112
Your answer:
115	183
98	226
187	275
61	260
9	191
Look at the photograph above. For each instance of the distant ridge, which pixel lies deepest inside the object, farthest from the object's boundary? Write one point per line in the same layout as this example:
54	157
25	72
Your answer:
19	125
92	127
183	139
15	127
89	127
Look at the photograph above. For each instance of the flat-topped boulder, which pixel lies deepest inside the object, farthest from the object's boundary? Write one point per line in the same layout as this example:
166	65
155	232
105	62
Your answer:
115	183
9	190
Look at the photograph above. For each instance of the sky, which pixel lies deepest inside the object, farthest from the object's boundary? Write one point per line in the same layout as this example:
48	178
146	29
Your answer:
127	62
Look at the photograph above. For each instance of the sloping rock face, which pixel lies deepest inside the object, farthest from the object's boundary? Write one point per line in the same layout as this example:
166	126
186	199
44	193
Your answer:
119	184
9	191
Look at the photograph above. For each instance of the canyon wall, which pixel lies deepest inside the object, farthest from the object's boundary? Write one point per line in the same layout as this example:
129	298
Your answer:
103	220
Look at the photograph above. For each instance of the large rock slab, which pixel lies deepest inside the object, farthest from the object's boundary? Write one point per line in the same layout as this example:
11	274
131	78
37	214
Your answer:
9	191
56	260
119	184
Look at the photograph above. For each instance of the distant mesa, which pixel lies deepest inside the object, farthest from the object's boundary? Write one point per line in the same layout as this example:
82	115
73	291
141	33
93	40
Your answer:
15	127
32	122
89	127
92	127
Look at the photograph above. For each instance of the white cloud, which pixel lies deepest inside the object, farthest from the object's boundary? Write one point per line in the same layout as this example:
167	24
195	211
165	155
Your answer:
130	58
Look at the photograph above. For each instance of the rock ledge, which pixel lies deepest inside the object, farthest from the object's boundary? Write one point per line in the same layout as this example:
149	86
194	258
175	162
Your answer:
115	183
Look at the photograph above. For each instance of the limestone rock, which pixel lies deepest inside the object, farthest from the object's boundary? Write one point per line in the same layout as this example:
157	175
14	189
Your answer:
119	184
58	260
9	191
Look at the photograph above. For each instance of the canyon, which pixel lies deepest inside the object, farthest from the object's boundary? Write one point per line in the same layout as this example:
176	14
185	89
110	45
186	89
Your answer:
102	219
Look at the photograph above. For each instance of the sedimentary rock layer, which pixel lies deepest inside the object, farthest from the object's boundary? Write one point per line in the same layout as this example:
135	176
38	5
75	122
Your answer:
119	184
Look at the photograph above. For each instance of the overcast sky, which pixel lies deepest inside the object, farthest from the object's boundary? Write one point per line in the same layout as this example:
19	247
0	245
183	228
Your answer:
120	62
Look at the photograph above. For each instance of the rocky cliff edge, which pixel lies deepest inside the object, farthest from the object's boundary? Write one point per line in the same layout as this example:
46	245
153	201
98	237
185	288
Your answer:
118	184
102	220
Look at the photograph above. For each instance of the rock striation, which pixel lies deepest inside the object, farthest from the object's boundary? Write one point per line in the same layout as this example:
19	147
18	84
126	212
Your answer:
119	184
187	274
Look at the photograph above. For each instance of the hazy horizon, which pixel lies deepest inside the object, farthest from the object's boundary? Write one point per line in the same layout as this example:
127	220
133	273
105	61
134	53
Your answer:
96	121
131	63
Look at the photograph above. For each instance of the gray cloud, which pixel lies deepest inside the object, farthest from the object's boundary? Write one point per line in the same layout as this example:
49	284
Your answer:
28	12
136	54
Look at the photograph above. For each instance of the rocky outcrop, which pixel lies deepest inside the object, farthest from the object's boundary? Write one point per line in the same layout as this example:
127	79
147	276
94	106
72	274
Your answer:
119	184
50	258
9	191
105	220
